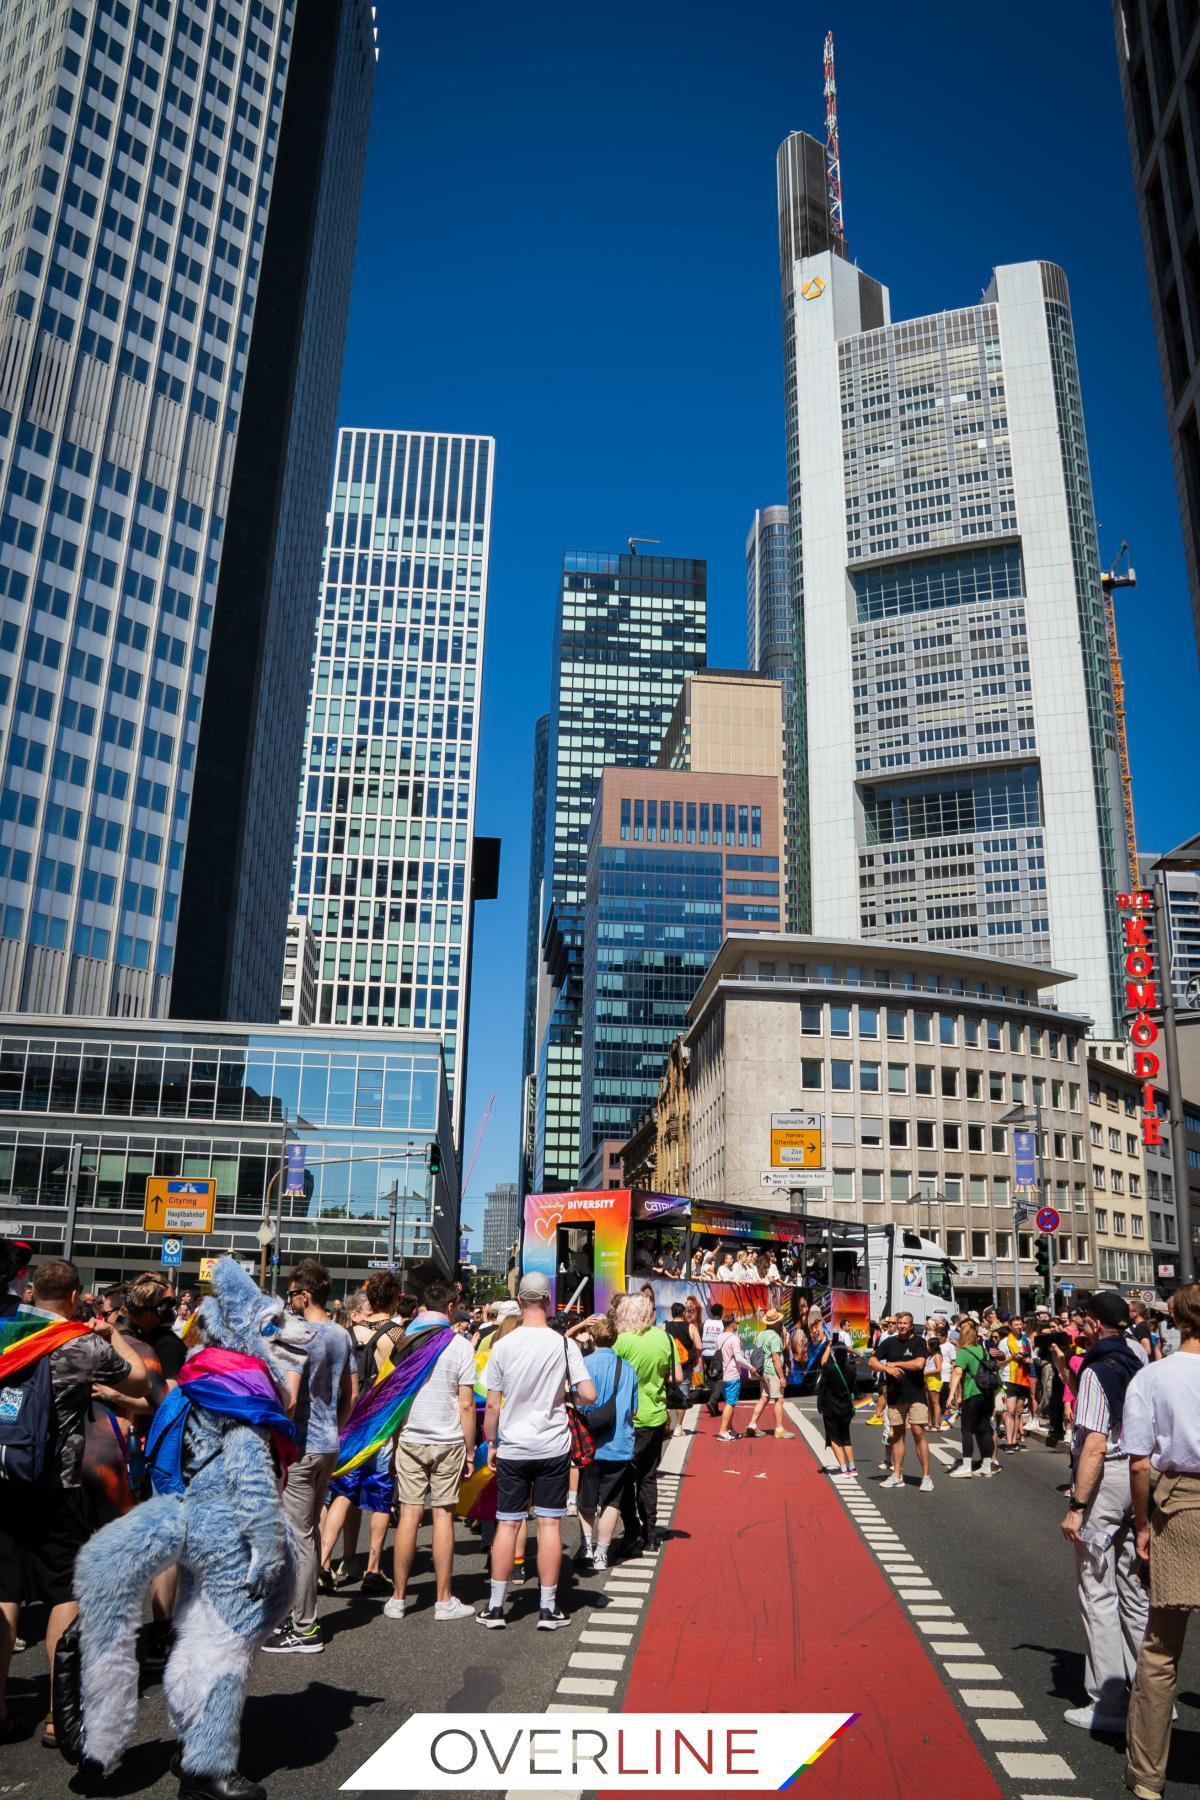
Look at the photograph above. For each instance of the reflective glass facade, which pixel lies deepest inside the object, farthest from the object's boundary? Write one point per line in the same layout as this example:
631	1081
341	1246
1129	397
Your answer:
629	629
188	1101
387	800
772	629
169	174
533	953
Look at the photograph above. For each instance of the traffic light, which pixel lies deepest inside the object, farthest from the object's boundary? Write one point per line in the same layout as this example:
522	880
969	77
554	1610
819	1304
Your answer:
434	1158
1041	1257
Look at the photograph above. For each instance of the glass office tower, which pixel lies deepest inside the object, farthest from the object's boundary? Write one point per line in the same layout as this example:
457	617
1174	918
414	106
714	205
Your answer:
629	629
961	765
772	627
385	836
534	982
179	191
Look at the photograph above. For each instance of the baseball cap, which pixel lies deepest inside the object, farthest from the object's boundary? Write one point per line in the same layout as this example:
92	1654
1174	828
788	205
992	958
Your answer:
534	1286
1108	1307
506	1309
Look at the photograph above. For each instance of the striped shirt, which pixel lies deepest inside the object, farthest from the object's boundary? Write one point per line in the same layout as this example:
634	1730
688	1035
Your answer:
1092	1414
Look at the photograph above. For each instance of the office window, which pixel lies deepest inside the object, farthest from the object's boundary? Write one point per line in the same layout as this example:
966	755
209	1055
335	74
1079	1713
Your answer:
868	1021
839	1021
897	1078
947	1028
841	1128
971	1033
978	1189
954	1244
922	1027
951	1136
812	1072
868	1077
898	1134
810	1021
1018	1090
980	1245
897	1025
870	1132
975	1139
925	1134
974	1084
1118	1224
952	1188
949	1083
1102	1219
899	1188
923	1078
839	1075
999	1139
871	1182
995	1086
1004	1245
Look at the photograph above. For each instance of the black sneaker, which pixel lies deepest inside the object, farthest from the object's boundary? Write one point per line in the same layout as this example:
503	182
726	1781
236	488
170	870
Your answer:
233	1786
293	1640
375	1582
550	1618
492	1618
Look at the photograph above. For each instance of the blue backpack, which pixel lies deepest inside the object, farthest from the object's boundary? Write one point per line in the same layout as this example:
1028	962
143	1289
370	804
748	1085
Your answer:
25	1424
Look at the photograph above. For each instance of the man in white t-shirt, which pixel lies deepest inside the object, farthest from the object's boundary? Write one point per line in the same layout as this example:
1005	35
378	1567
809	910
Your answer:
434	1452
529	1445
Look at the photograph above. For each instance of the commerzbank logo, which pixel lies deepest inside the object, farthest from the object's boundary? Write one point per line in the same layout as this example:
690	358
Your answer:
813	288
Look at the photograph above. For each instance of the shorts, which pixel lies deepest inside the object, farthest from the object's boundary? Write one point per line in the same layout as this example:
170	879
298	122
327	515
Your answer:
429	1469
733	1391
933	1384
602	1484
770	1386
909	1412
1018	1388
42	1531
542	1479
837	1432
369	1488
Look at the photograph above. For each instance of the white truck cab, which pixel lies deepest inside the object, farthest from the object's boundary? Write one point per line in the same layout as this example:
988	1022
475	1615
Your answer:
909	1273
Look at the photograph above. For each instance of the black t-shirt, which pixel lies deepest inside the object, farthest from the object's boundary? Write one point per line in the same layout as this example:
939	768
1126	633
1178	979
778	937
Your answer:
677	1328
910	1386
169	1348
1140	1329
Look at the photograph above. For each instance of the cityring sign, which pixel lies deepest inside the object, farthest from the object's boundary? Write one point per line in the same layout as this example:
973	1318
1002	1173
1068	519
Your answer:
1141	1000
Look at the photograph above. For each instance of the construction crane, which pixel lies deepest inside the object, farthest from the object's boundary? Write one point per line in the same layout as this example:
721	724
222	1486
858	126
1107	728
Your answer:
833	155
1118	577
635	541
475	1147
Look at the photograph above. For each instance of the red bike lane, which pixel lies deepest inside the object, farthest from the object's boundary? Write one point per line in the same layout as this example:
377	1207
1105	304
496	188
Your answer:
767	1600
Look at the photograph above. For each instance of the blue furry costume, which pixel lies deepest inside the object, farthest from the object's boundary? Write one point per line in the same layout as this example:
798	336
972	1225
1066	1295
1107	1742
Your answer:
226	1530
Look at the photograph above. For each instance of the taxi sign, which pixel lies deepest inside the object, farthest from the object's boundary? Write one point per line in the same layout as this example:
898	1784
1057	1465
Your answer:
207	1265
179	1203
798	1141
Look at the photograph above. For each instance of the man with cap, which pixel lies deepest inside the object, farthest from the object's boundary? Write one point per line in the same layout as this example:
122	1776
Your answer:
1099	1523
528	1376
770	1376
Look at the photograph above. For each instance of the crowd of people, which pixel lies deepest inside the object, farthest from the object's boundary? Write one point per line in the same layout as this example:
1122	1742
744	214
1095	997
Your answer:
784	1265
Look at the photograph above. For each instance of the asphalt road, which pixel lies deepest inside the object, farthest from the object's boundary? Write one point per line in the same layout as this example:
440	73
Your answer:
994	1553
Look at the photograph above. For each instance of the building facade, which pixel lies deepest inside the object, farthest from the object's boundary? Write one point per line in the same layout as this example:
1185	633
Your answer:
1156	51
912	1056
1183	929
501	1225
962	775
298	999
180	201
629	629
772	626
221	1102
535	983
385	835
1120	1205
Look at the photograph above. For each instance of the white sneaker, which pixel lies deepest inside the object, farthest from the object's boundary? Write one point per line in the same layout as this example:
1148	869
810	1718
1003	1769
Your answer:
990	1468
450	1609
1090	1718
927	1485
393	1608
893	1481
963	1472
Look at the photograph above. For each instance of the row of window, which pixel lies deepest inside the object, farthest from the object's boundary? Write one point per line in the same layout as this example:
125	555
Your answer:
950	1029
690	822
1135	1221
929	1078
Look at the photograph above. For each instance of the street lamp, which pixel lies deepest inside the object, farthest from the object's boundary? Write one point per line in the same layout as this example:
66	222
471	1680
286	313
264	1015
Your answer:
1186	858
928	1199
1021	1115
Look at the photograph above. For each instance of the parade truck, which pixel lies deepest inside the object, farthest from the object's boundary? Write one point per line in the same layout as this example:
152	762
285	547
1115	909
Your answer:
909	1273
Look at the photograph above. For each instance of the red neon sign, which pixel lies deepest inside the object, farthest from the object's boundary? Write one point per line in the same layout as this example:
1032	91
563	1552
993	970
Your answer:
1141	998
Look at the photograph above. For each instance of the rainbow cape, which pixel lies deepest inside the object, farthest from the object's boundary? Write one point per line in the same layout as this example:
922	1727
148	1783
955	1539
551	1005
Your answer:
23	1340
227	1382
381	1411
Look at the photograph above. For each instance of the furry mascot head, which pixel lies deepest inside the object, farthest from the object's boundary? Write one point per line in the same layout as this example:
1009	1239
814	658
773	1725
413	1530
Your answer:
218	1448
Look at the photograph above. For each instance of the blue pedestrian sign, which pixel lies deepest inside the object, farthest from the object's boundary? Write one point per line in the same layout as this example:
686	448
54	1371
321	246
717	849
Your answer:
172	1253
1066	1287
296	1154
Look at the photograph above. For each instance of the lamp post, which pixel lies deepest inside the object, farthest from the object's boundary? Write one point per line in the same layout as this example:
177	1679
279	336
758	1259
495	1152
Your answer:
927	1201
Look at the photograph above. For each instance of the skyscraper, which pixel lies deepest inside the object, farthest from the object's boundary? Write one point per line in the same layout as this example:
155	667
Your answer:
678	857
1156	53
501	1225
629	629
534	968
385	838
180	189
772	627
961	755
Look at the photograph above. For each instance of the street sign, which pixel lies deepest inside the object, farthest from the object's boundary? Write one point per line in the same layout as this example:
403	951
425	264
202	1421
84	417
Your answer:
1066	1287
1048	1221
296	1154
376	1262
264	1234
1020	1214
207	1265
1166	1269
793	1178
798	1142
175	1204
172	1253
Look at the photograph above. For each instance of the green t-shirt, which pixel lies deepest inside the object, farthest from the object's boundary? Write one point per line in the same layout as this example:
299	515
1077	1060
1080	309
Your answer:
771	1345
650	1355
970	1360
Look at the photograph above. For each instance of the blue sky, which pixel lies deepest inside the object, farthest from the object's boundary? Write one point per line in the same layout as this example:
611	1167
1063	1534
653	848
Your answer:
568	241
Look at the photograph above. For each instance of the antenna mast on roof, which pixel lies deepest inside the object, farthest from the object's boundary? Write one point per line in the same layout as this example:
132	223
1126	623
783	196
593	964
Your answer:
833	155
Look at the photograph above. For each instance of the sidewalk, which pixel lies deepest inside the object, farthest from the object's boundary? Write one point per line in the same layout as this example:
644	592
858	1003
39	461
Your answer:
767	1600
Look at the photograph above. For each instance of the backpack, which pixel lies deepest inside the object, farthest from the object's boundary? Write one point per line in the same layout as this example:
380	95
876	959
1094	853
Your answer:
25	1423
364	1355
986	1377
757	1358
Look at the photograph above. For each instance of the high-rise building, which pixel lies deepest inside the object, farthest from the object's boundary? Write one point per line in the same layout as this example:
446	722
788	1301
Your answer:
771	648
298	999
1156	54
1183	929
535	983
179	193
501	1225
963	784
385	848
679	856
629	629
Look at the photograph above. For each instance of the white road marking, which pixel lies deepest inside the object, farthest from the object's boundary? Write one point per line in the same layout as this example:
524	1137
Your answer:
585	1684
970	1671
1024	1765
1002	1699
1011	1731
606	1637
957	1650
931	1627
596	1659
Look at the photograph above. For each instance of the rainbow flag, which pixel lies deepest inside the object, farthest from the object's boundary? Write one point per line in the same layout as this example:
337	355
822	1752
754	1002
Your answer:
382	1410
476	1496
23	1340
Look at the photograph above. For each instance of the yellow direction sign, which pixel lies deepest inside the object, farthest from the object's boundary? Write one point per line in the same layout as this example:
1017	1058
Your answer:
179	1203
798	1141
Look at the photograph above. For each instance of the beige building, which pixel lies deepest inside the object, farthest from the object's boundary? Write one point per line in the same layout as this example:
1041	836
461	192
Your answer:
1120	1184
915	1058
298	997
